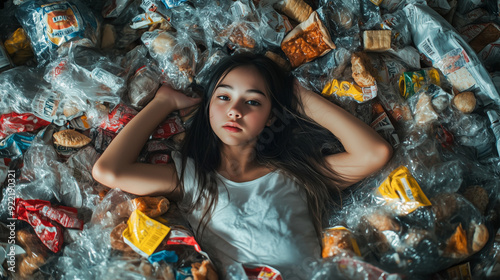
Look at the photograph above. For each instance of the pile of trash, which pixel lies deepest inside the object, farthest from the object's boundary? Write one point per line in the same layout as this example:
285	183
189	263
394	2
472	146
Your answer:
423	74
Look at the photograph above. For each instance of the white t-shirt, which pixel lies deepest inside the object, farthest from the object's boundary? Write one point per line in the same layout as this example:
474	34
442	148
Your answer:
263	222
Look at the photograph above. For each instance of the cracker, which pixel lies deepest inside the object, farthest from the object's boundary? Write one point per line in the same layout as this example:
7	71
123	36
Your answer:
377	40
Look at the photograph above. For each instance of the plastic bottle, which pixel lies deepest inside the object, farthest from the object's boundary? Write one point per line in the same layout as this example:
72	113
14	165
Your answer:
495	126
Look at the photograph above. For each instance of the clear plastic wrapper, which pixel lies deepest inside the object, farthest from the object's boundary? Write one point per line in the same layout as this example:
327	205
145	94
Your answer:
176	55
215	19
398	24
113	8
51	24
86	75
142	86
186	20
437	40
16	94
206	62
272	26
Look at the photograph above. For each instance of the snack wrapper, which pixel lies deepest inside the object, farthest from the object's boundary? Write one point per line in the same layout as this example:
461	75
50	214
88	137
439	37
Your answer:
412	82
144	234
402	192
41	215
307	41
50	24
14	122
447	50
345	88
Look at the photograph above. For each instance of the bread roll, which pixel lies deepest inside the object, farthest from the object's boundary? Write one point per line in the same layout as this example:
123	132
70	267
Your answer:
297	10
465	102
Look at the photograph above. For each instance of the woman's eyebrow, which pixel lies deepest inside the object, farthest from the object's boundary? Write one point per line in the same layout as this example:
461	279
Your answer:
249	91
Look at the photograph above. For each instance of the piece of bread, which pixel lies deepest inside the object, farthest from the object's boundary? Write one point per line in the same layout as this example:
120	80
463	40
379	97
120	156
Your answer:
151	206
424	112
465	102
360	73
377	40
116	238
163	42
307	41
297	10
284	64
480	236
71	139
203	271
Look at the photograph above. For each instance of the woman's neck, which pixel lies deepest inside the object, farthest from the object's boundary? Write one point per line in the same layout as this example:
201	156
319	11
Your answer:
238	162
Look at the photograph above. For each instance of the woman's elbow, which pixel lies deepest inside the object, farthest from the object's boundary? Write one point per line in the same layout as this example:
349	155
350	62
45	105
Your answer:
382	154
103	174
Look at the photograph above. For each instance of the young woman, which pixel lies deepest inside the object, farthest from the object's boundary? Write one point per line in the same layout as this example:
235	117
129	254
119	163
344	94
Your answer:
255	174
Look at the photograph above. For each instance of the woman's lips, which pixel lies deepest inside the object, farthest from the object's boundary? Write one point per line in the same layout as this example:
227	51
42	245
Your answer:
232	128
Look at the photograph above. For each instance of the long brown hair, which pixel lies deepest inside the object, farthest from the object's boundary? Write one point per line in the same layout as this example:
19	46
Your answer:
293	143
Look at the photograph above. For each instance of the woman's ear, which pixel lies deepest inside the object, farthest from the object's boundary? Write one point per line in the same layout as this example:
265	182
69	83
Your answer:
270	120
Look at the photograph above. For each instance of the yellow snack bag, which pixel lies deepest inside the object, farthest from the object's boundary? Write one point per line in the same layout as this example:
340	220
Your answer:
144	234
402	191
345	88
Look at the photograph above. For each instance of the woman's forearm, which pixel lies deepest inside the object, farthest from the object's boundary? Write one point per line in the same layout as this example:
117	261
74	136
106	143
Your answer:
127	145
355	136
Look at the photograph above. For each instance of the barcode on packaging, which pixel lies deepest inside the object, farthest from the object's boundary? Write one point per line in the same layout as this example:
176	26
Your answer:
427	48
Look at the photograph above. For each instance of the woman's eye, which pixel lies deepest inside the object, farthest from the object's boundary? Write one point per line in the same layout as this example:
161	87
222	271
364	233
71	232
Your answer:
253	103
223	97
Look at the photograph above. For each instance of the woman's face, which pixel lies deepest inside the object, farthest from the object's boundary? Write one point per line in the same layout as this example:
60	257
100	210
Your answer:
240	107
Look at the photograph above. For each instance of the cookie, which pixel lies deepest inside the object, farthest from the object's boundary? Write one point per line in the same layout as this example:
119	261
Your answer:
70	138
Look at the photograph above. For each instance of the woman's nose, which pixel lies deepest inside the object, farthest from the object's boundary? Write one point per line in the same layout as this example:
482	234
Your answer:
234	112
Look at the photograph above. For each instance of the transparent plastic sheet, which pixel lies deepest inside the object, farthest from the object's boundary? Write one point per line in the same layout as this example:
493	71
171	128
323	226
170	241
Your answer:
143	85
15	93
87	75
398	23
206	62
349	267
272	26
186	19
176	54
315	74
113	8
44	177
45	38
215	19
448	51
341	19
89	255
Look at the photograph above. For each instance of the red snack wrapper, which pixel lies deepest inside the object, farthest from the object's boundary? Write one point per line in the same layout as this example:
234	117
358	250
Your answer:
49	233
169	128
42	216
13	122
118	118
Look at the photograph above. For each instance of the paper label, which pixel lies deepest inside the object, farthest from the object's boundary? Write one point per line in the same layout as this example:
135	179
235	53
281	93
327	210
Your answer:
402	191
144	234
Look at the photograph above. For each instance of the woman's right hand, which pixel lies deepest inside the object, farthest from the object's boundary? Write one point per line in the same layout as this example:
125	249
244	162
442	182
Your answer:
175	98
